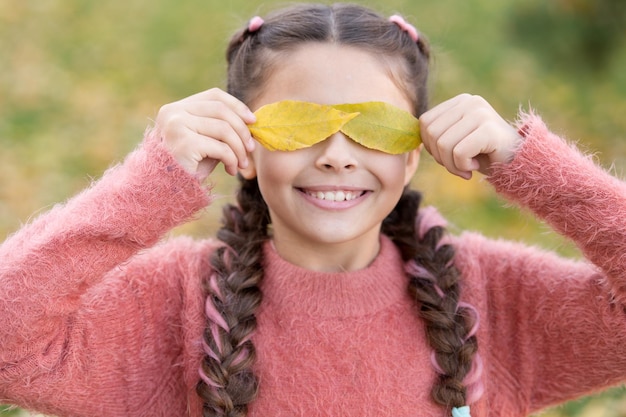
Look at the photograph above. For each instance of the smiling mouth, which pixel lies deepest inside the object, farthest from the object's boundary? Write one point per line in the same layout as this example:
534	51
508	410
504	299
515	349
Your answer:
334	195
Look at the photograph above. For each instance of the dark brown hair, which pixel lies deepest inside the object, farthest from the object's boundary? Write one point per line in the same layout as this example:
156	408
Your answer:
233	295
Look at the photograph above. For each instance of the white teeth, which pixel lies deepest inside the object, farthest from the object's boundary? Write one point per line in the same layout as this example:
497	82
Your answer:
333	195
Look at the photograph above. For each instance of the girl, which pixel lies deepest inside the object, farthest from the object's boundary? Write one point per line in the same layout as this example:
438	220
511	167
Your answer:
300	306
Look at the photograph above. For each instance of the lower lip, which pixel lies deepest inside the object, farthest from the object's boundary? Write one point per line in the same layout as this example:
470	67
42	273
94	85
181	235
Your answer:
334	205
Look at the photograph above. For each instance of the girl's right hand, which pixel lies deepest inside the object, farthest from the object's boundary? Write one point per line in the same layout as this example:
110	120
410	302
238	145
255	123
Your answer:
206	128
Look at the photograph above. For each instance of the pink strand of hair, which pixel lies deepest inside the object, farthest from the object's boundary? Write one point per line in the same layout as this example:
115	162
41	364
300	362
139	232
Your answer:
427	218
209	351
216	321
208	380
214	316
414	269
474	329
473	380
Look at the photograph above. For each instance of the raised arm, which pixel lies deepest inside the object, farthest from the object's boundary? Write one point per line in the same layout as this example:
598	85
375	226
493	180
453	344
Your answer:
552	328
70	286
50	263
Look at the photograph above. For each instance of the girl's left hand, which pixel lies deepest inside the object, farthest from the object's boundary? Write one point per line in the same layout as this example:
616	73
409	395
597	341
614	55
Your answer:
466	134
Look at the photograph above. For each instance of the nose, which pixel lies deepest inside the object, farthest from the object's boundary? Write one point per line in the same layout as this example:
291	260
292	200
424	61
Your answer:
337	153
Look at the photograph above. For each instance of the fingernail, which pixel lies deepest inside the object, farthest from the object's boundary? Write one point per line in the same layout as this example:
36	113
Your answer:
251	145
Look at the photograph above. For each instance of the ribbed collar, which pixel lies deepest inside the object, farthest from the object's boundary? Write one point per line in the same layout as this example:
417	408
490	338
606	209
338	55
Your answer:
293	289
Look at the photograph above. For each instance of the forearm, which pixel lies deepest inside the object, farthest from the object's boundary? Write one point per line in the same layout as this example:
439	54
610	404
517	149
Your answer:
567	190
48	264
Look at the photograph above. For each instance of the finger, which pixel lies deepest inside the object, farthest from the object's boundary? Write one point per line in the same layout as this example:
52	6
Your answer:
453	119
216	110
219	151
435	122
443	108
450	150
220	97
206	154
494	141
466	154
434	133
238	106
217	130
457	107
190	139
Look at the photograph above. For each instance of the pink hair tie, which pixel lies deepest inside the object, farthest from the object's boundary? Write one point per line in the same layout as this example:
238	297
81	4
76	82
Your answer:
255	24
405	26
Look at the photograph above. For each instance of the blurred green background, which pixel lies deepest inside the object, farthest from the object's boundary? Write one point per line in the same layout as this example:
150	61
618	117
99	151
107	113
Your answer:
80	81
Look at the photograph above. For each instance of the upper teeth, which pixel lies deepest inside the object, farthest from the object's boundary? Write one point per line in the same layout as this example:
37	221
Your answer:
334	195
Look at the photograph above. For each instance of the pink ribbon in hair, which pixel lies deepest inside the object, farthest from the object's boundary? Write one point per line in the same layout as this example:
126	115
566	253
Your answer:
255	24
405	26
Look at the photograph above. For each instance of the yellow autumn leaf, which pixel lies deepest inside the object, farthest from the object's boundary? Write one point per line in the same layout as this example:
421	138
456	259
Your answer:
382	126
290	125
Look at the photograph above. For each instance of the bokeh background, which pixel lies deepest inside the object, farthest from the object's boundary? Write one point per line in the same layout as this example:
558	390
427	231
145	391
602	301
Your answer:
80	80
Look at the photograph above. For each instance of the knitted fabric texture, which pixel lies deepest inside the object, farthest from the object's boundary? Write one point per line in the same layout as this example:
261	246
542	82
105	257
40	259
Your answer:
98	319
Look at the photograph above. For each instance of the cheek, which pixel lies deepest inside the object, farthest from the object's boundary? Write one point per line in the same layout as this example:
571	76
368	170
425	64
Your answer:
392	170
275	167
267	175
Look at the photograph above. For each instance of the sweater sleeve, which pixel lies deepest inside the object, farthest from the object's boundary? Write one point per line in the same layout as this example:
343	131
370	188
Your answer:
81	294
577	198
554	328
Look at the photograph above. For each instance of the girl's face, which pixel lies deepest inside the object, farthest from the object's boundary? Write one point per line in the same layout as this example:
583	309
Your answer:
327	202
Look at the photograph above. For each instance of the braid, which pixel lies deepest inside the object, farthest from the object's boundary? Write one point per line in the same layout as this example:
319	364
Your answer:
434	284
227	383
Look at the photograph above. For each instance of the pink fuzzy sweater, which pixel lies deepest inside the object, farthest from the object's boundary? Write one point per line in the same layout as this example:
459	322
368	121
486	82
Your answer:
98	319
